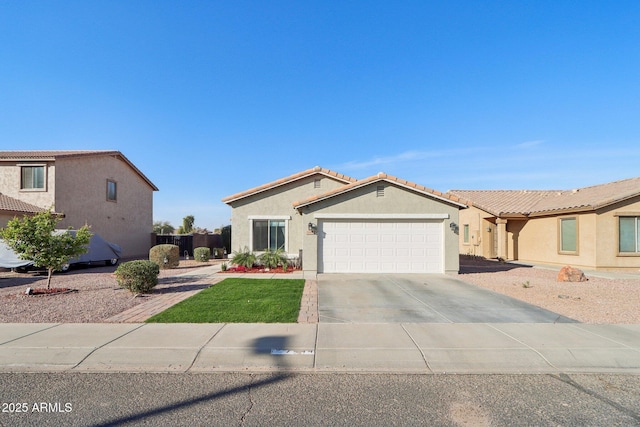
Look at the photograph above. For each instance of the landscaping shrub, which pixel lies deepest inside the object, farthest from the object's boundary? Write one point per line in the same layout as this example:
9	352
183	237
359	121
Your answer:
202	254
166	256
273	259
138	276
244	258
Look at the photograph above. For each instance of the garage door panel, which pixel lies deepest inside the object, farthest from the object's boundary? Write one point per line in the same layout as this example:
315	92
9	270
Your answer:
372	238
340	252
393	246
403	238
372	252
387	252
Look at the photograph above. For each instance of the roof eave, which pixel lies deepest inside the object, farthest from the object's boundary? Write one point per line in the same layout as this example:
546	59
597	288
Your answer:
363	183
563	211
279	183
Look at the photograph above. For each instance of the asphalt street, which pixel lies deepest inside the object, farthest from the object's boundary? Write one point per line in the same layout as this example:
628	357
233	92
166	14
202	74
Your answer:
234	399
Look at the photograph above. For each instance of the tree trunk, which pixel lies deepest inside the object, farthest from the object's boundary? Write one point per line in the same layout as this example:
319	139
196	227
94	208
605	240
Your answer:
49	273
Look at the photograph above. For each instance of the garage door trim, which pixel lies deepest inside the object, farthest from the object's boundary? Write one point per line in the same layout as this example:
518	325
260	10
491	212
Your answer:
382	216
414	259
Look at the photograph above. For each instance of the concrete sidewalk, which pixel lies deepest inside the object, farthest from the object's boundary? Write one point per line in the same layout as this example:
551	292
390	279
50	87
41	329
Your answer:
396	347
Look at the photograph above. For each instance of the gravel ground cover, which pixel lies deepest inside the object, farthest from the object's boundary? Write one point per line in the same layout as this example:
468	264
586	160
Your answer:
598	300
98	296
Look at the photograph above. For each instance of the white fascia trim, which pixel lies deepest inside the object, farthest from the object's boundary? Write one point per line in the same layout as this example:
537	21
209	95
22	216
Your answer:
382	216
276	217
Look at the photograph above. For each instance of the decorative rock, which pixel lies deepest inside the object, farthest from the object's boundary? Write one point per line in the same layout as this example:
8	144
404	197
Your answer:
571	274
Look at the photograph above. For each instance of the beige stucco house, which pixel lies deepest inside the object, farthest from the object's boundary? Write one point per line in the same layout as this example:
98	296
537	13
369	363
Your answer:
100	188
594	227
381	224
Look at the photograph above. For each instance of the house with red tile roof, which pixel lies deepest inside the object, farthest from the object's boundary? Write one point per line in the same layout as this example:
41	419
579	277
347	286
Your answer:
338	224
595	227
96	187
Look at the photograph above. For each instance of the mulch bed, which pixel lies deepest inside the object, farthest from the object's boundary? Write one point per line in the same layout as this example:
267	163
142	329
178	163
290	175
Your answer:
241	269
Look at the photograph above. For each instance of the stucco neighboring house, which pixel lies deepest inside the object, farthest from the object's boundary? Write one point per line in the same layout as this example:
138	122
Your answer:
595	227
100	188
381	224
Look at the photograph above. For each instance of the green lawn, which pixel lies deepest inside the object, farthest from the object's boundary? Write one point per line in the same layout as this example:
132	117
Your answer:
237	300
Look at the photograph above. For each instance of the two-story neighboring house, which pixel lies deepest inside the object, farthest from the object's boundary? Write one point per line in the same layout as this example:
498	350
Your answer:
100	188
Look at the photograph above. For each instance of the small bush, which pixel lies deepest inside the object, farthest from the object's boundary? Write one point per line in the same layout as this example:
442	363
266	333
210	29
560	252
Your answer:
273	259
138	276
202	254
244	258
224	266
166	256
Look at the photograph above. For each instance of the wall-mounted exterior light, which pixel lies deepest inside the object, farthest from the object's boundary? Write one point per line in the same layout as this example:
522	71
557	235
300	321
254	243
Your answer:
313	229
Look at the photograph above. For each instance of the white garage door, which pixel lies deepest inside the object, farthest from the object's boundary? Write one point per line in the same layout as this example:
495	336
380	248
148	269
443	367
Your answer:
380	246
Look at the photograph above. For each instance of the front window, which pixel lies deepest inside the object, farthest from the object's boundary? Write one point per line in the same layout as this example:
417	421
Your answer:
268	234
32	177
629	240
568	235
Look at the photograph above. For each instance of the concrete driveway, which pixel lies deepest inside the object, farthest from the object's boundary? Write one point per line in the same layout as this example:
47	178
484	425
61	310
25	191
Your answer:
419	298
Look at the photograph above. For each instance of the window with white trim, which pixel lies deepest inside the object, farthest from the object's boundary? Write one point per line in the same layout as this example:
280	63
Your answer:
629	234
32	177
268	234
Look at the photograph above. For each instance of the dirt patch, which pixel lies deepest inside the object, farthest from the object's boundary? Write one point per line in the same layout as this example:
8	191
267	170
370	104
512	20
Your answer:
598	300
97	295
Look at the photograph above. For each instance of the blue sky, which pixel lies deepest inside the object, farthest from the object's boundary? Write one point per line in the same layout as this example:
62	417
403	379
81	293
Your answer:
209	98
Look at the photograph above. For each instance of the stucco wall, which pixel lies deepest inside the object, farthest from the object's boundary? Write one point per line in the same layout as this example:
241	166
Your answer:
539	241
277	202
396	200
10	183
4	219
81	187
607	235
481	241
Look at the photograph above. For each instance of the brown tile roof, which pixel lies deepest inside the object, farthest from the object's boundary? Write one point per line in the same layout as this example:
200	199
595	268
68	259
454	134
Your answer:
9	204
306	173
376	178
52	155
502	202
545	202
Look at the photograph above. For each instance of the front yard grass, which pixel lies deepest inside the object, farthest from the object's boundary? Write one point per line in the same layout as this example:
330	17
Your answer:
238	300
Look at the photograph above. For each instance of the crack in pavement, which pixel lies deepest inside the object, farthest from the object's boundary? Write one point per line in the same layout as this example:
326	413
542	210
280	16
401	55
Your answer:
569	381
